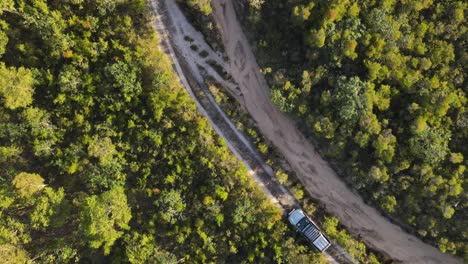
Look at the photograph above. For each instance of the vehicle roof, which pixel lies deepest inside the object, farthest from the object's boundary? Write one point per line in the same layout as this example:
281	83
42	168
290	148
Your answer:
319	240
321	243
295	216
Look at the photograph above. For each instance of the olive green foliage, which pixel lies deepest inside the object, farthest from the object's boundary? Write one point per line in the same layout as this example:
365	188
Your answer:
203	5
382	86
50	209
140	249
27	184
103	218
16	86
13	255
104	158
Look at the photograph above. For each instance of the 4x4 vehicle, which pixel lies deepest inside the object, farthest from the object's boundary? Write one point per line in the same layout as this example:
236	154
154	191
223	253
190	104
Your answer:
307	227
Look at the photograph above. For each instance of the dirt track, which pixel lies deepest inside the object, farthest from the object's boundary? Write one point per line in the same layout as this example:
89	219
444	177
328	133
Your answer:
190	67
317	176
251	90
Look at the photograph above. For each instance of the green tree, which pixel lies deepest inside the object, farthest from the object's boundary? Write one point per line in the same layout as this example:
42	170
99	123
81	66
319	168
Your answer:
171	205
140	248
431	146
3	41
107	6
306	82
448	211
280	100
124	78
370	123
297	192
16	86
203	5
316	38
27	184
456	158
50	209
6	5
7	196
301	13
11	254
281	176
385	145
103	149
330	225
348	98
389	203
103	218
378	174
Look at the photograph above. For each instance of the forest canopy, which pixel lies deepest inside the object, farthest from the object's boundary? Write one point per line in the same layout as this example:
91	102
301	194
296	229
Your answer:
381	86
103	156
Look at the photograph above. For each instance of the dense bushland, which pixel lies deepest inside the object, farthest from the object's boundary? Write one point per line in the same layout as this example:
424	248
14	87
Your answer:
104	158
381	85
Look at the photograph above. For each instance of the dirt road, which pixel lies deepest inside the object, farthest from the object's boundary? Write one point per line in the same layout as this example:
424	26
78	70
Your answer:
317	176
251	90
190	68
